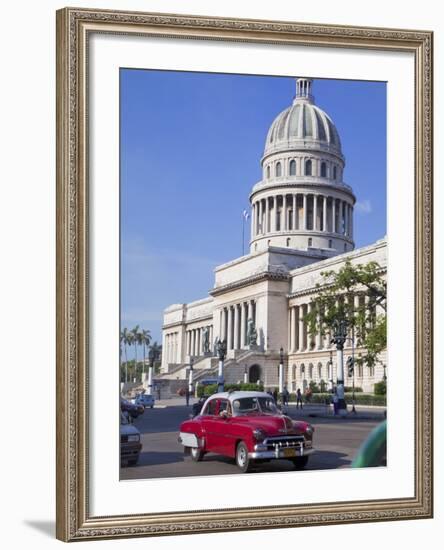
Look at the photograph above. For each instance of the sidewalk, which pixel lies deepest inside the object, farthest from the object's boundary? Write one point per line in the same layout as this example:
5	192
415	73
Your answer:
174	402
363	412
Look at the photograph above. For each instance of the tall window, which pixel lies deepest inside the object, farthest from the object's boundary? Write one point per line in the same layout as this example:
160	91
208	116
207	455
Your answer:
330	243
292	168
310	241
268	172
278	169
308	168
288	242
323	170
335	172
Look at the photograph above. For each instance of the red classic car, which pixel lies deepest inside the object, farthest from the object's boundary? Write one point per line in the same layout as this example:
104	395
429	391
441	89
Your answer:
247	426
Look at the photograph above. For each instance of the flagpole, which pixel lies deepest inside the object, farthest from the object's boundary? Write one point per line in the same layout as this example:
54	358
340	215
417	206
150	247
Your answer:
245	216
243	233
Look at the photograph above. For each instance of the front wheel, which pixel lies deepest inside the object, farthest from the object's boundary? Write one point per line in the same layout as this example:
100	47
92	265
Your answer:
300	462
196	454
242	460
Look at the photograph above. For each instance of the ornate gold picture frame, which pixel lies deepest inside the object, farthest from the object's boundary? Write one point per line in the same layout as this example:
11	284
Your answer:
74	30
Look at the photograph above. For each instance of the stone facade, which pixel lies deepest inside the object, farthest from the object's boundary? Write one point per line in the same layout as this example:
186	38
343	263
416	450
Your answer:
301	225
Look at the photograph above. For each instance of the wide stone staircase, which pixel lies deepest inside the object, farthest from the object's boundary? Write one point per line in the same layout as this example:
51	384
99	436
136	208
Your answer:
207	367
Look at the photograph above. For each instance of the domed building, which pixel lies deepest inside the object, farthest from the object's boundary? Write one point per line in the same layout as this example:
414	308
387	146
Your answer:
301	225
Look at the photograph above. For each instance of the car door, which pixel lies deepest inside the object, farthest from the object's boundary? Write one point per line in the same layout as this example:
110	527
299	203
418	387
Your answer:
222	435
207	419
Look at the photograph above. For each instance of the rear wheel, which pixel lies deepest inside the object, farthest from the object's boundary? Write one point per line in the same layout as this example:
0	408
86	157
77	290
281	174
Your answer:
196	454
242	460
300	462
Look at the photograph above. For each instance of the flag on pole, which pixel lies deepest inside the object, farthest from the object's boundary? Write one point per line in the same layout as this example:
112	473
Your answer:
245	214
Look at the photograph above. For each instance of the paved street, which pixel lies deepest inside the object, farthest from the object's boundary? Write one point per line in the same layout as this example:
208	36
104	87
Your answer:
336	441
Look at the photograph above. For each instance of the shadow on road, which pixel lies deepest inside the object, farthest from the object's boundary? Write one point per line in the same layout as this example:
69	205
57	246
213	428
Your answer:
154	458
326	460
164	420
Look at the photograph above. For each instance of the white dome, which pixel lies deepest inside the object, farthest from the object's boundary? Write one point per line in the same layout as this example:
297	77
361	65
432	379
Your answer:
303	125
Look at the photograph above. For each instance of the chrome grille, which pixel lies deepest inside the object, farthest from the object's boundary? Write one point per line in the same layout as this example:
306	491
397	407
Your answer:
283	442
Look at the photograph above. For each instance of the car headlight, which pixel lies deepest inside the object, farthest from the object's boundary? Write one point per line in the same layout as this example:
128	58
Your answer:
258	434
134	437
309	430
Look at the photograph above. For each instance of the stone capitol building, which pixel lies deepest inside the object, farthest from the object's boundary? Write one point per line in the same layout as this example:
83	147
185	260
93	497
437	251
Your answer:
301	225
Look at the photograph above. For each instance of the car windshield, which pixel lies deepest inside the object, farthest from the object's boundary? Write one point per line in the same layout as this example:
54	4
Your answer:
254	405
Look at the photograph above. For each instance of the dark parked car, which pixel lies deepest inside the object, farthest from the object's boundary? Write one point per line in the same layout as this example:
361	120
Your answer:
133	410
130	445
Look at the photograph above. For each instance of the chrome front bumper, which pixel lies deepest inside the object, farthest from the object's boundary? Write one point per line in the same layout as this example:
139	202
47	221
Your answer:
262	451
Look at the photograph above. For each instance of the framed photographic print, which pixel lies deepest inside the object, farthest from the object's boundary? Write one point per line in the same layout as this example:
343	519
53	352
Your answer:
244	274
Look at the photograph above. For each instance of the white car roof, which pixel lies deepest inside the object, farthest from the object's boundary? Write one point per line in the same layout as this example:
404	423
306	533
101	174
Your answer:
231	396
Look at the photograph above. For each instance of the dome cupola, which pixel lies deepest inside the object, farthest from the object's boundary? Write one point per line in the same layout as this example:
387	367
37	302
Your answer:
302	202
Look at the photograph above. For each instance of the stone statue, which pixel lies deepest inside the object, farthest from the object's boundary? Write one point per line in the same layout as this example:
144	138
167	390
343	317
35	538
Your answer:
206	340
251	333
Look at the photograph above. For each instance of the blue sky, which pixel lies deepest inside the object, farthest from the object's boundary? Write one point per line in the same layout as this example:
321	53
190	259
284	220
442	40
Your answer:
191	145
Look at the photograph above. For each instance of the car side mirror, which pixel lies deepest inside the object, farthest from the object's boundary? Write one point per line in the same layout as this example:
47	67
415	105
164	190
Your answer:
223	414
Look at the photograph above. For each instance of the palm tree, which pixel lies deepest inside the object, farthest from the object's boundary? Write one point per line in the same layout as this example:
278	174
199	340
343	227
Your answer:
136	334
146	339
125	338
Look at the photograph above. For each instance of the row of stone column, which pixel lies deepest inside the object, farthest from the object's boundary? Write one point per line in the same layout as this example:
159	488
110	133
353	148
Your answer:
195	340
234	323
299	338
171	347
302	211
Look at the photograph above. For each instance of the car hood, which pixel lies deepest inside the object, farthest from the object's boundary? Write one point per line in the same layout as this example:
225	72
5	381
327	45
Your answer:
270	424
128	429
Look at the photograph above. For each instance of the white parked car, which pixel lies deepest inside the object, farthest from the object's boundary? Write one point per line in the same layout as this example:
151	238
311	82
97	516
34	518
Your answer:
145	400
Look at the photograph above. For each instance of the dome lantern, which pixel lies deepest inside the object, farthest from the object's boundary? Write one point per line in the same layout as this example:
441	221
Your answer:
303	90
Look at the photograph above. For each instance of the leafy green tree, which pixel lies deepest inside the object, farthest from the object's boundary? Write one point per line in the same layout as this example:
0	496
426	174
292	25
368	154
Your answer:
334	303
155	352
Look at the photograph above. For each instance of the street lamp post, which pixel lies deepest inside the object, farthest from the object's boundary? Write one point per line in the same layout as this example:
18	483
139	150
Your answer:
339	337
190	377
351	368
281	372
221	349
152	358
245	375
330	372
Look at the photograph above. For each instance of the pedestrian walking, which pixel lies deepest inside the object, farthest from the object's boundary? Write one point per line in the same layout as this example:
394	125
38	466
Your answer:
275	395
299	398
285	396
335	400
187	396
